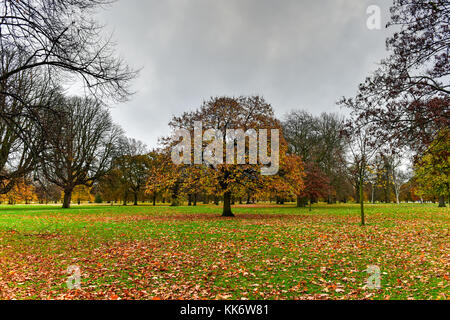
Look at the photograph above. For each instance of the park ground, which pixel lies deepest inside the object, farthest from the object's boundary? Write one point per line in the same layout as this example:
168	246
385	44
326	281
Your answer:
265	252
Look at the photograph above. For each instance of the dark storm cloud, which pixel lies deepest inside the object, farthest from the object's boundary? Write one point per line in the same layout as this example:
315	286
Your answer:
297	54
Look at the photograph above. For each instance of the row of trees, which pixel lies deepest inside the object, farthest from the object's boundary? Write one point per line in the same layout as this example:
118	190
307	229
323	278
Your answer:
317	162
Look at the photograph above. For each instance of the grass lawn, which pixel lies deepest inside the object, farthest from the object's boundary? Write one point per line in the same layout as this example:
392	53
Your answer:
266	252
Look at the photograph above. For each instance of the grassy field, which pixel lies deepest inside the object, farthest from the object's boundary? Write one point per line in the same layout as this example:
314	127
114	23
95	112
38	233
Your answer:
266	252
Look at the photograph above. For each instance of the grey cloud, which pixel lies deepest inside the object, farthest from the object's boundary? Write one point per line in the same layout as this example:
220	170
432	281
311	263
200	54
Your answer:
297	54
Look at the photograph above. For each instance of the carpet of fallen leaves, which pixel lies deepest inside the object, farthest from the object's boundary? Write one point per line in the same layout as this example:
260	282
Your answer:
266	252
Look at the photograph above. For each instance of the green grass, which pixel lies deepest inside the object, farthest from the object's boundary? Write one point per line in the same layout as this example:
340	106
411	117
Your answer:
266	252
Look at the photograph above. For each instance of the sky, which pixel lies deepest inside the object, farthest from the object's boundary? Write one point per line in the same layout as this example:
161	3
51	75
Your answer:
297	54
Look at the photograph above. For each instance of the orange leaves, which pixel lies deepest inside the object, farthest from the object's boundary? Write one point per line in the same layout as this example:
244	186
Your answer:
290	179
114	297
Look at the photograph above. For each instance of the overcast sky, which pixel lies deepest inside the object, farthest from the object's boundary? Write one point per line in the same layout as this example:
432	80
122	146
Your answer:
298	54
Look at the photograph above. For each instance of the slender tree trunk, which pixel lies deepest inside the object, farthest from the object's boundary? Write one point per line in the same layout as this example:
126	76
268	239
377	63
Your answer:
227	205
135	199
357	193
361	198
373	193
310	205
154	200
125	198
195	200
189	200
67	198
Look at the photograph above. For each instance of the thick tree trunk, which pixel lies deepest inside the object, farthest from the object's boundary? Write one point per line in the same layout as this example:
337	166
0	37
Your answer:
67	198
135	199
442	202
189	200
227	205
195	200
301	202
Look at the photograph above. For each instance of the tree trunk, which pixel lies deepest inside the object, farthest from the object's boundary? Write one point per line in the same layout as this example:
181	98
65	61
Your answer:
310	205
301	202
135	199
357	193
189	200
125	198
175	202
67	198
373	193
442	202
227	205
361	198
195	200
154	200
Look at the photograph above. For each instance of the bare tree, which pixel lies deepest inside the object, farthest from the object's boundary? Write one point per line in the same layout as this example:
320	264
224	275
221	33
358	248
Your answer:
399	179
318	140
22	120
406	99
362	149
82	147
62	38
44	44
